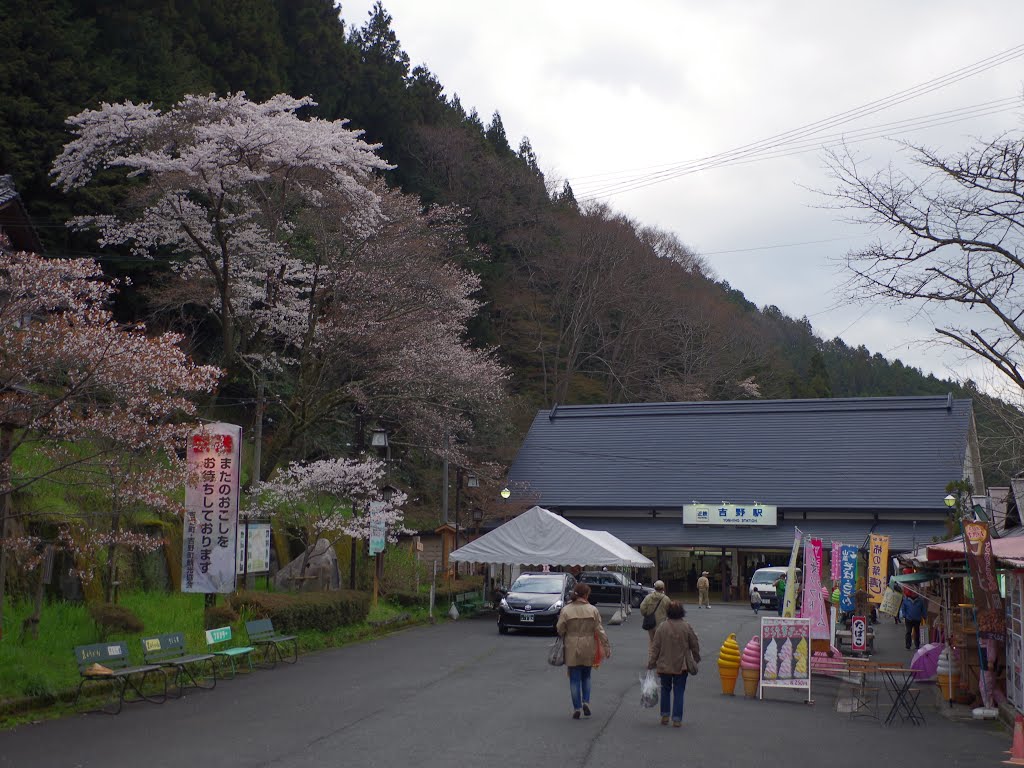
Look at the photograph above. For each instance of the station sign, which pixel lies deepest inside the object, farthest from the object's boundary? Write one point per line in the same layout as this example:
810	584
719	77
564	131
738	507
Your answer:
730	514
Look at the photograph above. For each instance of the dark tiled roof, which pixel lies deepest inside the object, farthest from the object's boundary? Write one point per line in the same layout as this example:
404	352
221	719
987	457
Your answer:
7	190
893	453
670	532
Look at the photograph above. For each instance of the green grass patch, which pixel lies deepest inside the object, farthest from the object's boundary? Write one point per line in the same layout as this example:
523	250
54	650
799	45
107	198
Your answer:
44	669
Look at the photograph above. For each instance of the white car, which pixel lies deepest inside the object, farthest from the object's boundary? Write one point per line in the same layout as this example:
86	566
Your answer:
763	582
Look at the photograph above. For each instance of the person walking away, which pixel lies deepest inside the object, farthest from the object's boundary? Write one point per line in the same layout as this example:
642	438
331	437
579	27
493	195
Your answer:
703	586
579	626
673	640
755	601
914	610
780	593
655	603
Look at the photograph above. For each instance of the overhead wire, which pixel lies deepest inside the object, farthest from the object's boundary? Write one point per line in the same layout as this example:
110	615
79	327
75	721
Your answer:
802	133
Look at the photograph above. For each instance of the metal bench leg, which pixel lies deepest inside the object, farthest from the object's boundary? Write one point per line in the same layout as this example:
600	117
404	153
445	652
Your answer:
295	652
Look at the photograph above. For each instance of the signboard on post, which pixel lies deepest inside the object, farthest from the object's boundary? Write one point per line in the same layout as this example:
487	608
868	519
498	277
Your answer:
211	509
378	530
785	654
254	545
878	564
859	634
730	514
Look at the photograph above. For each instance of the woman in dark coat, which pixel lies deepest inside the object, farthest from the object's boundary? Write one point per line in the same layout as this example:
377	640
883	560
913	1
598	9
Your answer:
673	640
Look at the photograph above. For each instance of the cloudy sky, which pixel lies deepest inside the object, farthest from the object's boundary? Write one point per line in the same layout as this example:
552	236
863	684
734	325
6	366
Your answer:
623	98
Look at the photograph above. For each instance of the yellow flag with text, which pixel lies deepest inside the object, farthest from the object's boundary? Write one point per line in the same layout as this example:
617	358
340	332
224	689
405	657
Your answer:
878	567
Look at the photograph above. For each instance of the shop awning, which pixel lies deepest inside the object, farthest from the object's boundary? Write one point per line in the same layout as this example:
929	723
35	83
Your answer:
915	578
1009	551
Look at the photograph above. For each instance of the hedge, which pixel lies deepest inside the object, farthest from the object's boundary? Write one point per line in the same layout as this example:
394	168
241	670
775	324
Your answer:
322	611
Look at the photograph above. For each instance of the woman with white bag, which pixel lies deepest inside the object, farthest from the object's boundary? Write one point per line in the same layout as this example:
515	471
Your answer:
674	654
586	644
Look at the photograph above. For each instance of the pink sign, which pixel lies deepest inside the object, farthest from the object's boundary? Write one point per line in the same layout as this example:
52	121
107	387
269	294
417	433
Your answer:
836	560
813	607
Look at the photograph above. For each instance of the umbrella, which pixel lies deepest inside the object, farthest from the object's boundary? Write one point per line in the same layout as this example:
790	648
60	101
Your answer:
926	660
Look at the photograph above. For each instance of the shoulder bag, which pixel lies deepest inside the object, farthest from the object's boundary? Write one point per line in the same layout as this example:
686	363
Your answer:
651	620
691	663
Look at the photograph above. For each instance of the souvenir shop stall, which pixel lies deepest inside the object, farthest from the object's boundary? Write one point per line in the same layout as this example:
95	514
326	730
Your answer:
970	628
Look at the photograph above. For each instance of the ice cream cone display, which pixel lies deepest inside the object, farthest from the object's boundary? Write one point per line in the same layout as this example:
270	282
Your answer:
729	664
947	672
771	661
800	661
785	660
750	666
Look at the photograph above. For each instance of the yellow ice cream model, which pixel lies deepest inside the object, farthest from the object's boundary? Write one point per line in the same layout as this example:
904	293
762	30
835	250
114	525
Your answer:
800	658
729	664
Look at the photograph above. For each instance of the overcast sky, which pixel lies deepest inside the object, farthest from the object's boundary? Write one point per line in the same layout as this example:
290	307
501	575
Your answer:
610	93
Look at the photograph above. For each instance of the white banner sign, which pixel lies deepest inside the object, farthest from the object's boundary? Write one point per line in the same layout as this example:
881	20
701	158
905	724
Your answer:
729	514
213	457
258	549
378	529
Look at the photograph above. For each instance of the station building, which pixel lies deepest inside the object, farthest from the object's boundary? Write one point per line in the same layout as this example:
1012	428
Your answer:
721	486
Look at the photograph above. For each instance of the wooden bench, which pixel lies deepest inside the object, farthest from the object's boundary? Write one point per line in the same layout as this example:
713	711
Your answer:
215	637
261	632
169	651
109	663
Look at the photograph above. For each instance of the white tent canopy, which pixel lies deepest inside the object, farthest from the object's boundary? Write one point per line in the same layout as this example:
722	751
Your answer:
539	537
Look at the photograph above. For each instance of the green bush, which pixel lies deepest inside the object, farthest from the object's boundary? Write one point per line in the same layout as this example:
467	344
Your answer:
322	611
111	618
219	616
409	599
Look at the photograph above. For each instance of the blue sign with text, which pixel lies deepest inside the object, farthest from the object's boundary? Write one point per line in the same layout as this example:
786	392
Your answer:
847	577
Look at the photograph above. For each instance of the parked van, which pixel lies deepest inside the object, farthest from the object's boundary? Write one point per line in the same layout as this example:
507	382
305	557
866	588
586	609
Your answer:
763	582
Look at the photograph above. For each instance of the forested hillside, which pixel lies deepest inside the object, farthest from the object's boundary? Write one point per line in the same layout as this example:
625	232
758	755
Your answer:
579	303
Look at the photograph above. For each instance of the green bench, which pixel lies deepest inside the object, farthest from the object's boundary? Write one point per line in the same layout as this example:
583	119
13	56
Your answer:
469	603
170	651
108	663
261	633
215	637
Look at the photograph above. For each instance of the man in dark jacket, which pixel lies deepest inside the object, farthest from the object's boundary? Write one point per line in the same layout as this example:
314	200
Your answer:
914	611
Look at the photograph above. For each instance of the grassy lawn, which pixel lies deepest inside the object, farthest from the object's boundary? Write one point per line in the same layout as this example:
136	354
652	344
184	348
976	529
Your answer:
46	667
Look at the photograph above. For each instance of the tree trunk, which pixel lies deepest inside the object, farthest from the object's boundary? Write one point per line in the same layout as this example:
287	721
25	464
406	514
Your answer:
5	505
112	556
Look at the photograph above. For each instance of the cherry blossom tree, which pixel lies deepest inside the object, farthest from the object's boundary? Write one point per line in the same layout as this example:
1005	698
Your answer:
330	498
226	184
75	385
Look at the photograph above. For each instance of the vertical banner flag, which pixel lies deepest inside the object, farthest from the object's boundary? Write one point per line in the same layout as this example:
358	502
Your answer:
789	603
785	654
835	560
813	606
847	576
211	509
878	565
377	527
987	602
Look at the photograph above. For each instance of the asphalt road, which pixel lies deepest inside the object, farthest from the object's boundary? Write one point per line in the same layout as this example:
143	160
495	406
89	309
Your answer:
458	694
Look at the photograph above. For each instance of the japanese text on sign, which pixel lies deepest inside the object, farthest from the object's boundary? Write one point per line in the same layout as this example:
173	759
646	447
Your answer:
211	509
729	514
878	554
847	576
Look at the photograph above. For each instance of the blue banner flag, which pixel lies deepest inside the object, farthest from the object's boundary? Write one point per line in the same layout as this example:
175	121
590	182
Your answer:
847	577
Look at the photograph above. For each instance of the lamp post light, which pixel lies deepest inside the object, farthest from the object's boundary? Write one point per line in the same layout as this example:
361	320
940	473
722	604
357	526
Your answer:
505	493
950	500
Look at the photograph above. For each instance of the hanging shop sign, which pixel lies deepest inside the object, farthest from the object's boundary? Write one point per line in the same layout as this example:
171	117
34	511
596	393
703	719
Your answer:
878	564
835	560
987	602
211	509
785	654
730	514
847	576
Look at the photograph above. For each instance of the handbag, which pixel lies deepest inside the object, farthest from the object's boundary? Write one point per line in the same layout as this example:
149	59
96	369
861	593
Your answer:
556	653
691	664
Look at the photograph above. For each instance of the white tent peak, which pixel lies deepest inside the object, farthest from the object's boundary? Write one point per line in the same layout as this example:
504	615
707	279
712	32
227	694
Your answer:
540	537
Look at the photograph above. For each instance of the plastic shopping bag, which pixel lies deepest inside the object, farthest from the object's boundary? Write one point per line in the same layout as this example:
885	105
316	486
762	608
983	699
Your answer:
649	686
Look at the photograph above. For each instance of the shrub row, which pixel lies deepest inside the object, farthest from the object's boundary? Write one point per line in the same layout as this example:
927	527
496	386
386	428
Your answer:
409	599
322	611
